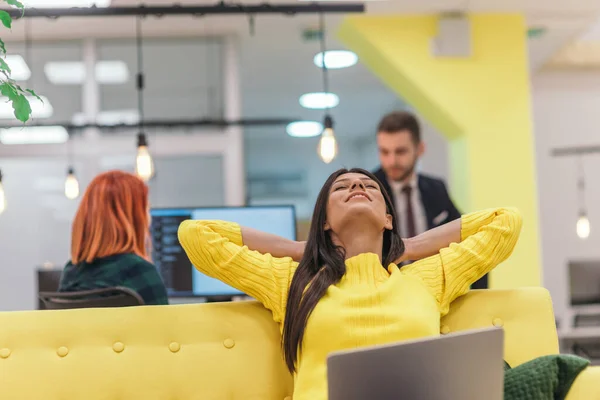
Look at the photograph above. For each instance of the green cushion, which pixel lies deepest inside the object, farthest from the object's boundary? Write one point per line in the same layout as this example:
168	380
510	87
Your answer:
548	377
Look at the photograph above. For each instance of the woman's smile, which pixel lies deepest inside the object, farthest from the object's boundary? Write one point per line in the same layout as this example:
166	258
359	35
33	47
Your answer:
358	195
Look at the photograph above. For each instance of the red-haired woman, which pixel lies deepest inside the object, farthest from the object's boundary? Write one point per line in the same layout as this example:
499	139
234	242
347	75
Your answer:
109	235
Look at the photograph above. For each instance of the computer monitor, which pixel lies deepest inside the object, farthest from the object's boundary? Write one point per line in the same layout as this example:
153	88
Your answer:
584	282
180	277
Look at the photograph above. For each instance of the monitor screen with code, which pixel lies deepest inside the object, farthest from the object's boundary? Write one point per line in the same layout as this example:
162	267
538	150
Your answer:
180	277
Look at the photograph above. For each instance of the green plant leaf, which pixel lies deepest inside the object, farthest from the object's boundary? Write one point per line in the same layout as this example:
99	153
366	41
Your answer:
4	66
15	3
6	19
20	104
8	90
34	94
22	108
8	87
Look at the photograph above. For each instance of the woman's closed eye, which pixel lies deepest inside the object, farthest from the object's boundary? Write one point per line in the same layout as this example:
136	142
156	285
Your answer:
368	186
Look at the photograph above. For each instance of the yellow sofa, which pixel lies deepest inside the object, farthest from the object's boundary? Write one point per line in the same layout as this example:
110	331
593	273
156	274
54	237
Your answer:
215	351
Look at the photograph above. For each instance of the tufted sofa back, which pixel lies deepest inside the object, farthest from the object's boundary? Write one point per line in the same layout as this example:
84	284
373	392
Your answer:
205	351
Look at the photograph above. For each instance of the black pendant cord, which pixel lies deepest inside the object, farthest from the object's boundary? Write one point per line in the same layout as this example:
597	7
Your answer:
323	50
71	155
581	186
140	73
209	91
70	165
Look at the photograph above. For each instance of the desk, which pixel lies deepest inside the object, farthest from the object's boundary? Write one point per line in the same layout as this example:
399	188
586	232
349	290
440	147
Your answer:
48	280
582	341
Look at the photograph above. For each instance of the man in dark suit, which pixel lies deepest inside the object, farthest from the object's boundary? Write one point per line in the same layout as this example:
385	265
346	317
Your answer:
422	202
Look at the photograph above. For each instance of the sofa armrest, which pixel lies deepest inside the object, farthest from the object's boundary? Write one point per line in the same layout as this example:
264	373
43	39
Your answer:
586	386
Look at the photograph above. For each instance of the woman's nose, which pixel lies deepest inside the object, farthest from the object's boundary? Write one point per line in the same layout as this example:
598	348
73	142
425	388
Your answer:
358	184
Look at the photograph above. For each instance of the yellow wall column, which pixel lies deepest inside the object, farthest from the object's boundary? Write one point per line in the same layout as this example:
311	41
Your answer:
481	103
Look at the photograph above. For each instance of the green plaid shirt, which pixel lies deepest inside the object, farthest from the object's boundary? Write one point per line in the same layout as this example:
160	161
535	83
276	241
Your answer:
128	270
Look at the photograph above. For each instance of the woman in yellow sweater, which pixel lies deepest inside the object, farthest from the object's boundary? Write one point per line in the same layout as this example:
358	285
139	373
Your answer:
333	292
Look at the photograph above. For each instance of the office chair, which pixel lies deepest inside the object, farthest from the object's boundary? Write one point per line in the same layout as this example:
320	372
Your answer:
48	280
104	297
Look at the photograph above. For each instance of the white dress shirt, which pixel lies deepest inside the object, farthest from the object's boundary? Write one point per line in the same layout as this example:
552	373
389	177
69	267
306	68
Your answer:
417	206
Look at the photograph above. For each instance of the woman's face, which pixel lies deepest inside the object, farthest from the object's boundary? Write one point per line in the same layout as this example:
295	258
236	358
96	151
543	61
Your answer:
353	197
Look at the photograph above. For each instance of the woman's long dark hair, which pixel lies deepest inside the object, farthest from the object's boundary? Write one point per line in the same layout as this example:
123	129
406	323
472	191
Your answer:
323	265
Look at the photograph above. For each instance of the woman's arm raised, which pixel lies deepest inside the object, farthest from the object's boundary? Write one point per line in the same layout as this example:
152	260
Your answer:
486	239
217	249
268	243
431	242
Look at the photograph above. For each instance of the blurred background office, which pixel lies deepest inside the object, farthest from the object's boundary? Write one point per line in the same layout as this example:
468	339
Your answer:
232	110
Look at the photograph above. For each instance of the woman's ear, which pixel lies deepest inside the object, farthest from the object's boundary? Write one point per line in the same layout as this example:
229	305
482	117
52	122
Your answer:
327	227
389	225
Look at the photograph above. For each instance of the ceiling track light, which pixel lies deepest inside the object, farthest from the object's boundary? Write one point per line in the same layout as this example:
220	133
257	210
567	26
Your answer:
304	129
335	59
319	100
228	8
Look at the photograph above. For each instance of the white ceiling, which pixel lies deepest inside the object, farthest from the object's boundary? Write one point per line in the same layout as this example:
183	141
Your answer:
276	63
582	52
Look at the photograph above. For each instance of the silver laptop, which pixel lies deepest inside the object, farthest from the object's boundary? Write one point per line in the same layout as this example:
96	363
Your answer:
466	365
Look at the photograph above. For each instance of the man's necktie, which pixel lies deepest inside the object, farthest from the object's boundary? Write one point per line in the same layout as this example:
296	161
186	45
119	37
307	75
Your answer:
410	216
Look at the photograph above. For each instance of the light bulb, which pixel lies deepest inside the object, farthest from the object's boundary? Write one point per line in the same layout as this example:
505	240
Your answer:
328	144
2	197
71	185
144	166
583	227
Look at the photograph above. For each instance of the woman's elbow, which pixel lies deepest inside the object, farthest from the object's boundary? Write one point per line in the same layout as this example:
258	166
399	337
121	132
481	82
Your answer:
186	231
189	237
511	231
513	222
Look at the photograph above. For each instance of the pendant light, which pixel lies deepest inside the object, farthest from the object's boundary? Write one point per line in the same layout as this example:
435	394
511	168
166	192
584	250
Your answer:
327	148
327	144
144	165
583	228
71	183
2	196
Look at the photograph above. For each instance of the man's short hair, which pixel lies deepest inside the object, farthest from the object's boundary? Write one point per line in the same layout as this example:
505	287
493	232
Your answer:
398	121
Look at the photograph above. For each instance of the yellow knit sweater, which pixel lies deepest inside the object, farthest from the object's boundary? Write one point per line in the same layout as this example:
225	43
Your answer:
370	305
